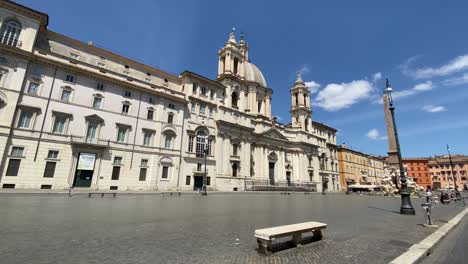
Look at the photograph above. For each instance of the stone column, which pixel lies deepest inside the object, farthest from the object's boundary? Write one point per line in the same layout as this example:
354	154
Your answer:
268	105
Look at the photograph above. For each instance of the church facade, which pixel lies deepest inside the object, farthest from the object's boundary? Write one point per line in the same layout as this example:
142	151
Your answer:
75	115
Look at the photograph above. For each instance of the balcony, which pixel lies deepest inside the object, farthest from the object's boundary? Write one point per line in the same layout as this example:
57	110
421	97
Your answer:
89	142
235	158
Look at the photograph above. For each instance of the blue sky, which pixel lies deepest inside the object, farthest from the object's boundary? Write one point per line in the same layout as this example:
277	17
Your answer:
346	47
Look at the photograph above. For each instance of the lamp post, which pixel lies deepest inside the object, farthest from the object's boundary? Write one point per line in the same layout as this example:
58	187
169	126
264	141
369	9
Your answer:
406	206
455	187
205	152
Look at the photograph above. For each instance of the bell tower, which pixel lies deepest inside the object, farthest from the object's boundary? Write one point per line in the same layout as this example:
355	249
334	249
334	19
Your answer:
233	56
301	112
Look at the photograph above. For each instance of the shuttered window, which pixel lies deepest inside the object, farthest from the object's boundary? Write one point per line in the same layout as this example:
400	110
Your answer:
143	174
115	173
13	167
49	169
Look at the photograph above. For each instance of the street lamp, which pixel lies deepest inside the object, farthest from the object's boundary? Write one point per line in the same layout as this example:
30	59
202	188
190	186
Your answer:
406	206
205	152
453	173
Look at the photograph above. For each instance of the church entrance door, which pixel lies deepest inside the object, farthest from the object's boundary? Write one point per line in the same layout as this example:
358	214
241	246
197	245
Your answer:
271	172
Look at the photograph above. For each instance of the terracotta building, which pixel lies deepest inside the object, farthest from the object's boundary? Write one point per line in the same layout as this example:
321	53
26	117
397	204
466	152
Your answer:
418	171
359	168
441	171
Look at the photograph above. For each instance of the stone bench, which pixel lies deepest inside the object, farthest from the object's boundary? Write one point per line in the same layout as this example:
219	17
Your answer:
266	236
114	194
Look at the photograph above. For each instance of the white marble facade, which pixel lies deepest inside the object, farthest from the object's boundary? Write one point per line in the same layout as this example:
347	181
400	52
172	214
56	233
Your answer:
73	114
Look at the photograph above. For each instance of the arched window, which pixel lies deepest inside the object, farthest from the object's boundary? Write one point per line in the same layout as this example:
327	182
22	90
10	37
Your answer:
170	118
307	124
202	143
234	99
10	32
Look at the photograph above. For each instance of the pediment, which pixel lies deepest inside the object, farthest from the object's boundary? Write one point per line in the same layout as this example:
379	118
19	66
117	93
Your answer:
274	133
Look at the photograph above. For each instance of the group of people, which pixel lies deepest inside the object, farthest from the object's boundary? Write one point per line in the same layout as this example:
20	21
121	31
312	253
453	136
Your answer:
445	196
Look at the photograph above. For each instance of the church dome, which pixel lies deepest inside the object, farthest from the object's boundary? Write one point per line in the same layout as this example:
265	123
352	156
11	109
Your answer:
253	74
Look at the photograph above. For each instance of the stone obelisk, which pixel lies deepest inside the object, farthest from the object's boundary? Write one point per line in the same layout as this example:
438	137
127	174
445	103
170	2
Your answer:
392	149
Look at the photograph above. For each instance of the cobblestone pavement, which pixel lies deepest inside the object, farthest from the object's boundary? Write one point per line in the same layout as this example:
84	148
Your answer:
218	228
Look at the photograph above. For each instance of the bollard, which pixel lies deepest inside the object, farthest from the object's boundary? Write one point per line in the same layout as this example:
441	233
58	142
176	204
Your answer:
428	207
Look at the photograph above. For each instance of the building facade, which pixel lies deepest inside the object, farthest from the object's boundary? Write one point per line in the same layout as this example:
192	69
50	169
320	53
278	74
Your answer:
75	115
418	171
444	175
359	168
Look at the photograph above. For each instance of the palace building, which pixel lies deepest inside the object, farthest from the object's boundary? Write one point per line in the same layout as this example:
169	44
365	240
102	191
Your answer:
76	115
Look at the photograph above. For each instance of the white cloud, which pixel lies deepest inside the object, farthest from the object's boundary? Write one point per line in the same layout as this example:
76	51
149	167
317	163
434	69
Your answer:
434	108
423	86
304	69
373	134
339	96
456	65
313	86
418	88
457	80
377	76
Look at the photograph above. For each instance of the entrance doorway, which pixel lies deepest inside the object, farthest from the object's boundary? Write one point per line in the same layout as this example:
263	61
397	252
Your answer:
197	183
271	172
288	178
84	169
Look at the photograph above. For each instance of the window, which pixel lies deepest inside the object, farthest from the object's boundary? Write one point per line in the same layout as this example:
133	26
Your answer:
49	170
194	89
52	154
199	167
236	64
151	100
121	133
168	141
70	78
74	56
202	109
66	95
171	106
127	94
59	125
17	151
33	88
234	149
144	163
13	167
165	172
202	140
203	90
190	146
117	160
194	108
91	132
147	137
234	98
25	119
170	118
115	173
259	106
150	114
142	174
97	101
234	169
101	64
99	86
211	94
125	108
187	179
210	142
10	32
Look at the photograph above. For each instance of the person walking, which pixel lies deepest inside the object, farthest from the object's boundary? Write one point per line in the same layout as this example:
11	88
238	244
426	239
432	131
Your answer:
428	194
